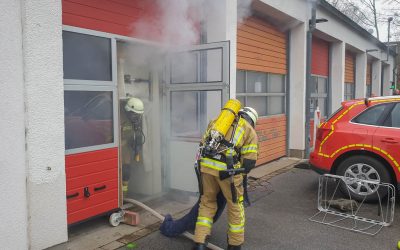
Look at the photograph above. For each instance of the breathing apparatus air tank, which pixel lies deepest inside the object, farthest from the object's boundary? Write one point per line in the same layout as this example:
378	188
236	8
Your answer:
221	126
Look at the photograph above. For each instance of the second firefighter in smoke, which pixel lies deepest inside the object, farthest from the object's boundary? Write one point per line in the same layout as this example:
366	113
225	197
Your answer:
133	138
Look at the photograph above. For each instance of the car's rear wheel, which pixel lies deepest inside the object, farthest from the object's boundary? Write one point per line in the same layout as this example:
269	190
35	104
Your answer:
364	168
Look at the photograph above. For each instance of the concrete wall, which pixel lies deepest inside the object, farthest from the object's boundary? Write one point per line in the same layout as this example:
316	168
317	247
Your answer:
222	26
387	79
44	118
297	86
32	179
361	75
337	74
376	77
13	208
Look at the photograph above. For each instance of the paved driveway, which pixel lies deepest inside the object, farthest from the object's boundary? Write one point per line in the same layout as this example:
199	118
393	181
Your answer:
278	219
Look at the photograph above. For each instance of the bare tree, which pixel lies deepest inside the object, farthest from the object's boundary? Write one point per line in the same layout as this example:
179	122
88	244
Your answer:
363	12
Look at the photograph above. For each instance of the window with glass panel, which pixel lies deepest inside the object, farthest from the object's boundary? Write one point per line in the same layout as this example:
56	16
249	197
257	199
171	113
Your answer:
86	57
88	118
393	119
89	112
191	120
263	91
349	91
372	115
319	95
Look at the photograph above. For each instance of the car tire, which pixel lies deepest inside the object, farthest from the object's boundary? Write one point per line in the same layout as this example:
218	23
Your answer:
371	169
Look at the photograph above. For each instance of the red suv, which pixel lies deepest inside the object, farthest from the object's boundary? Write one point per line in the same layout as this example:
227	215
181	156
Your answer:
361	140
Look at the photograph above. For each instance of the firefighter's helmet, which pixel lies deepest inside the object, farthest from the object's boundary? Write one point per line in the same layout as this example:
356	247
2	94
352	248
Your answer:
251	113
134	105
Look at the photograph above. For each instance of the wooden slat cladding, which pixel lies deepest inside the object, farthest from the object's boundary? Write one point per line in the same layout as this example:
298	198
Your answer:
117	17
369	73
261	47
271	133
320	57
350	64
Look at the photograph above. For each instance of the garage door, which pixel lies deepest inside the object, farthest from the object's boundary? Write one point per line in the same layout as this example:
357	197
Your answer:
349	76
320	75
261	82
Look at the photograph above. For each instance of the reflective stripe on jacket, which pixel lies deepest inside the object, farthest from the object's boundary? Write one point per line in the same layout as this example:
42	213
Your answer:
245	141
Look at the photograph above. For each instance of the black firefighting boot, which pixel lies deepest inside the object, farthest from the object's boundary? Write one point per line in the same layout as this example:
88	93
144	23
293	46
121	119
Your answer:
200	246
231	247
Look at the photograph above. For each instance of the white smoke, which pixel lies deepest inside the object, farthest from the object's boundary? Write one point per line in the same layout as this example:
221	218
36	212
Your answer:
244	10
179	21
176	25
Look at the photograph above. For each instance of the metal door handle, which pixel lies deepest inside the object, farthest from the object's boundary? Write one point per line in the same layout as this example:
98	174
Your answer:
86	192
70	196
99	188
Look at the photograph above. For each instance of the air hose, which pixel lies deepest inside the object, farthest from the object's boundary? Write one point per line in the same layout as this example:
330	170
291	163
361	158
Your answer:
160	217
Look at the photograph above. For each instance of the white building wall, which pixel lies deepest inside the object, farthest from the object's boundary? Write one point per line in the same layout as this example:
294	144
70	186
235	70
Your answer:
337	74
387	79
222	26
298	9
13	208
44	104
376	77
297	86
361	75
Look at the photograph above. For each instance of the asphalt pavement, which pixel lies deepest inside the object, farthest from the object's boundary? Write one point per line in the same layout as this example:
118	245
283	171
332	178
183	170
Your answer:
279	219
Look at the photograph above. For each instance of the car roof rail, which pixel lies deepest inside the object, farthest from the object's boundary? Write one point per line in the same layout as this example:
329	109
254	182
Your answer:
367	101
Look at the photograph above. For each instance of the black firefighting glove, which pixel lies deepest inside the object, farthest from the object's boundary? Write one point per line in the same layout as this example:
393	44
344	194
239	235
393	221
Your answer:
248	165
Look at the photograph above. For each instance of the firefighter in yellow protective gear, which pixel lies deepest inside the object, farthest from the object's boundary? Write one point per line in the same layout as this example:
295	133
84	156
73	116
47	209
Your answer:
243	138
132	137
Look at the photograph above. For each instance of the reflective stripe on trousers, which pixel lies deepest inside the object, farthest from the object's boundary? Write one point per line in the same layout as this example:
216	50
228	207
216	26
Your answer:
204	221
240	227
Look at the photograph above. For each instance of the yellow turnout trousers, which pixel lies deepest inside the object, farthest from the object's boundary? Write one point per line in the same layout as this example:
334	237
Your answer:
208	207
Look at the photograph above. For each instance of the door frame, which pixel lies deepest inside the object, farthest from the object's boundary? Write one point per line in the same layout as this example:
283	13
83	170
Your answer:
168	88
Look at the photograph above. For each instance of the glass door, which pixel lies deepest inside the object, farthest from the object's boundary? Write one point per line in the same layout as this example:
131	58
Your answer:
196	87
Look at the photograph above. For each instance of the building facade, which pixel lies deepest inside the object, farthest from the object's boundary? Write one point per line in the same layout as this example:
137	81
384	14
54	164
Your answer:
69	67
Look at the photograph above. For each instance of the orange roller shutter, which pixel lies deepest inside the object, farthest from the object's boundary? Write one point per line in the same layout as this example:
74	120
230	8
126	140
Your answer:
349	67
261	47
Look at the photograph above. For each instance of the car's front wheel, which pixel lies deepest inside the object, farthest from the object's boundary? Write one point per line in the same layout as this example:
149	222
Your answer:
363	168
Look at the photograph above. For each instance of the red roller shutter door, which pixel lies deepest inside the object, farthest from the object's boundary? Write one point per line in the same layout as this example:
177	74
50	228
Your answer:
320	57
319	67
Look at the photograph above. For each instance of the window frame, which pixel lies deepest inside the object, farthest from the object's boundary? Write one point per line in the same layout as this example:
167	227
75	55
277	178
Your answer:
115	115
352	94
320	95
388	115
94	85
113	44
265	94
202	85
